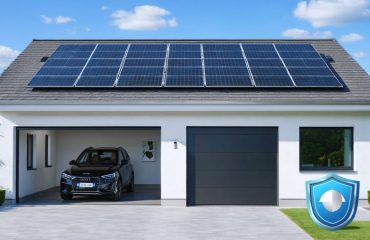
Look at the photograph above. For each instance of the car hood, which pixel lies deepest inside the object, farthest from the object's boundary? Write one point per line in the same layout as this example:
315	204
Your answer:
87	171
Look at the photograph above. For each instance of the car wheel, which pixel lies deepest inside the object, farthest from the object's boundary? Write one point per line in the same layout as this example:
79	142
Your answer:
66	196
118	191
131	186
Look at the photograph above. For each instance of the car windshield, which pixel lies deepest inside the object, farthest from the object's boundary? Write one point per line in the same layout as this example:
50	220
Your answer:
98	157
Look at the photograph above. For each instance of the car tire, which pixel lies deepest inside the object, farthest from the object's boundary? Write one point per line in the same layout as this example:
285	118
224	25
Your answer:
131	186
118	191
66	196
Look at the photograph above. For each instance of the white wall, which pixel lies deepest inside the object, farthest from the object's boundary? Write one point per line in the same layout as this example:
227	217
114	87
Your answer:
7	157
173	127
41	178
70	143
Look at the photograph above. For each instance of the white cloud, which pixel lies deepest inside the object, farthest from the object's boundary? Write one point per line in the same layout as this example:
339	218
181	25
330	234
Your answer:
7	55
46	19
104	8
87	29
352	37
360	54
321	13
297	33
63	19
145	17
56	20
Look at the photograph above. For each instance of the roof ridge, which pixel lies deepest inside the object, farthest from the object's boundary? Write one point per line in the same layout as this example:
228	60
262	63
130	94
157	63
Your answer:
194	40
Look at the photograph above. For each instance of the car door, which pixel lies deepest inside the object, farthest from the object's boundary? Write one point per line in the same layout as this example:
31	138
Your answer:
129	166
123	169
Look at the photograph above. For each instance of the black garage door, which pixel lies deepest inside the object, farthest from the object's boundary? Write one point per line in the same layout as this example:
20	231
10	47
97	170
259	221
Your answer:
232	165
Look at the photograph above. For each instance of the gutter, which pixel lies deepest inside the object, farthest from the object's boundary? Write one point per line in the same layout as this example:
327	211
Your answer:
182	108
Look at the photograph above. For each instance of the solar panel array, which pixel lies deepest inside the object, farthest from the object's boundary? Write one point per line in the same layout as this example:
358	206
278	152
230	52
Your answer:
286	65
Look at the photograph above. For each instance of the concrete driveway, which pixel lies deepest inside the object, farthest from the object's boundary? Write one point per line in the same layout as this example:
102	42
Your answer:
144	222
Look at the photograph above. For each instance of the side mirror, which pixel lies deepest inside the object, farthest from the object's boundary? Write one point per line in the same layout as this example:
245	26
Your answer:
72	162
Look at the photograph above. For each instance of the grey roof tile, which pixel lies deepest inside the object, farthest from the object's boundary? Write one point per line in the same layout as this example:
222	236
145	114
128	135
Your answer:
14	80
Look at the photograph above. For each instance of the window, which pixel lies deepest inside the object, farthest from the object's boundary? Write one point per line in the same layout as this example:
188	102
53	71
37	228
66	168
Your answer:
326	148
30	152
47	151
97	158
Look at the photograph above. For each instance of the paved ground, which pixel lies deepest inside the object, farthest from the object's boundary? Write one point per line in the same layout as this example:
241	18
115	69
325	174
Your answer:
143	195
81	221
363	214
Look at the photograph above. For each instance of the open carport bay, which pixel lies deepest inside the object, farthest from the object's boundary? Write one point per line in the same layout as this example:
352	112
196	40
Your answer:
44	153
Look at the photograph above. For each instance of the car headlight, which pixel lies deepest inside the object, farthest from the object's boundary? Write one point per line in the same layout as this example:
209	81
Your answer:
110	176
66	176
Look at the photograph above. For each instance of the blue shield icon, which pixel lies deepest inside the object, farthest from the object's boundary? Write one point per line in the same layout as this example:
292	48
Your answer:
332	201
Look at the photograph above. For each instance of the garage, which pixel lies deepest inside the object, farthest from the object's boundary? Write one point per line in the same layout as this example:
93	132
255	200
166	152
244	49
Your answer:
44	153
232	165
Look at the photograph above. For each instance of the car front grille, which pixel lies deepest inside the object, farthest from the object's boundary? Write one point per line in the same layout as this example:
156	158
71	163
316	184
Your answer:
94	180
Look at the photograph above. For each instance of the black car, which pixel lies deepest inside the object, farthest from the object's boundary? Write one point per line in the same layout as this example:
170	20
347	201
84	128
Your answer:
98	171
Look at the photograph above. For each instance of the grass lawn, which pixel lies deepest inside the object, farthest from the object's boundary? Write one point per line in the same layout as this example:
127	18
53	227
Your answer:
356	230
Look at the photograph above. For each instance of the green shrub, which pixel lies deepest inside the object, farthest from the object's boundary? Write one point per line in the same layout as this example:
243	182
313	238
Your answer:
368	197
2	196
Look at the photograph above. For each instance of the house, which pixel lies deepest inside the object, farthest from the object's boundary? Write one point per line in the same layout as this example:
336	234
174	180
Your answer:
240	122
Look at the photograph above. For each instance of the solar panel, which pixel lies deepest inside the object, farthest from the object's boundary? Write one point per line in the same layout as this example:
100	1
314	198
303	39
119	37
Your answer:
317	81
109	54
299	55
133	62
304	62
267	68
94	81
76	47
52	81
224	62
132	54
100	71
148	47
184	71
225	66
257	62
112	47
273	81
59	71
142	71
178	54
185	47
139	81
143	65
185	81
286	47
226	71
229	81
221	47
312	71
260	47
186	65
65	62
103	66
220	54
184	62
104	62
264	55
69	54
64	66
306	66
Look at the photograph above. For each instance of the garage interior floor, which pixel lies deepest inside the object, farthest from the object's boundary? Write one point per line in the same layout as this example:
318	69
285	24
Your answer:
143	195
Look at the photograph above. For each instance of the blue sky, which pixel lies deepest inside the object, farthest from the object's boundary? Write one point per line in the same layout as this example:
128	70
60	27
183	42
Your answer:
24	20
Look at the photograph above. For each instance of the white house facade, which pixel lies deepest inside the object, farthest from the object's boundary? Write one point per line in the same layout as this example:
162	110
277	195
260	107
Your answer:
214	146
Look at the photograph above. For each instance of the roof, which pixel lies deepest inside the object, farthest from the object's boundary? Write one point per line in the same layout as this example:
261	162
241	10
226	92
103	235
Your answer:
14	90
